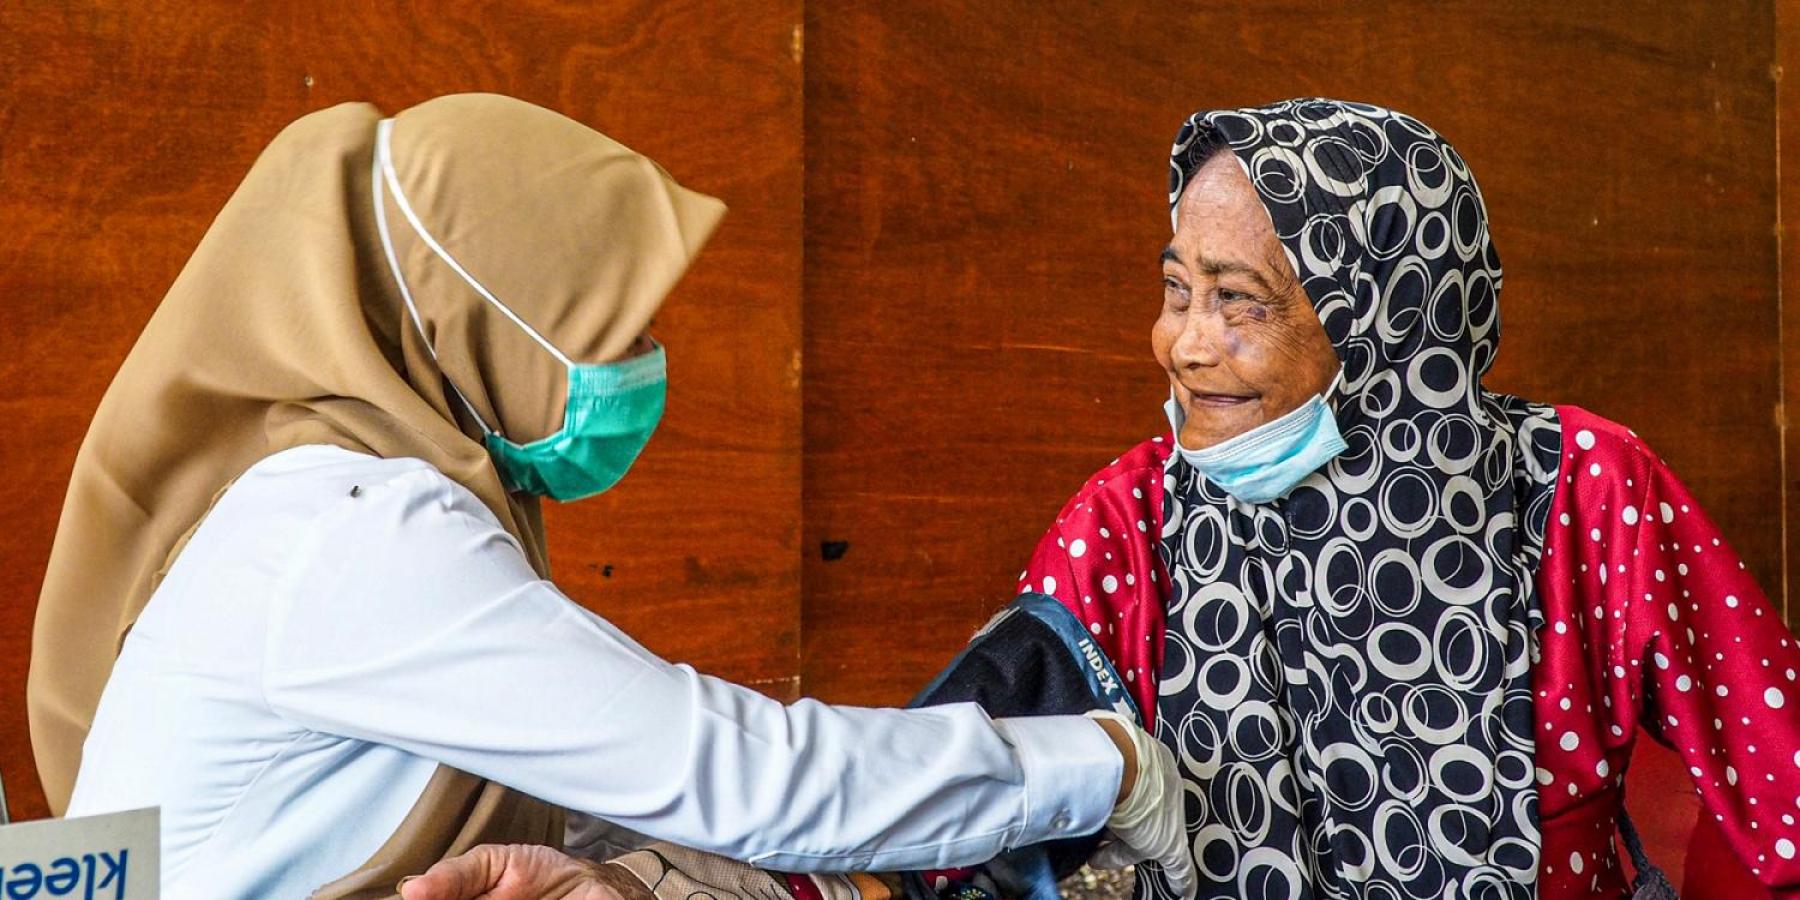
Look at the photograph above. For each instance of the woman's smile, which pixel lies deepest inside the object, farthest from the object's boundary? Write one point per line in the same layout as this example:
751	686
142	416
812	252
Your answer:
1218	401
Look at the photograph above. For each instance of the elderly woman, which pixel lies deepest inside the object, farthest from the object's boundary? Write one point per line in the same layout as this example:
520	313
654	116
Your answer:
1401	632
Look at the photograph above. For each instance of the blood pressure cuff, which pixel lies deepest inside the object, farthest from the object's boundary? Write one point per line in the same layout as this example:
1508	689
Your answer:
1033	658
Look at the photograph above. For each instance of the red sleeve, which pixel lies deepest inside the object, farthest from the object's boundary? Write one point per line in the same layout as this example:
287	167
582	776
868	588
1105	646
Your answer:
1100	559
1680	641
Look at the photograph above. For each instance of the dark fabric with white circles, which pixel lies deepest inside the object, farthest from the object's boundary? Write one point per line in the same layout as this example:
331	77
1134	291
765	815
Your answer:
1347	674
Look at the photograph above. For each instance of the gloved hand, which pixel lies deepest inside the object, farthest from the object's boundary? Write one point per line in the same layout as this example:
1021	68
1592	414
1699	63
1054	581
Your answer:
1150	823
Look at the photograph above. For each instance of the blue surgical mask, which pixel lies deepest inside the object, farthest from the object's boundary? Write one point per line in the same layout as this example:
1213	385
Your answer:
1267	461
609	411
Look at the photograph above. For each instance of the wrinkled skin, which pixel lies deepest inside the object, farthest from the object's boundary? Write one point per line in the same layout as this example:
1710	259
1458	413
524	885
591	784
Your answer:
521	872
1237	335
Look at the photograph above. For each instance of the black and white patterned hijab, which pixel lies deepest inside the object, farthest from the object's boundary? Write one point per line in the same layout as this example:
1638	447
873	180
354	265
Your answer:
1347	675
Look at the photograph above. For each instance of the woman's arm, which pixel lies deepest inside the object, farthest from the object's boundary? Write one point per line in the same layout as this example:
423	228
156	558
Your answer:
1680	641
1100	559
412	620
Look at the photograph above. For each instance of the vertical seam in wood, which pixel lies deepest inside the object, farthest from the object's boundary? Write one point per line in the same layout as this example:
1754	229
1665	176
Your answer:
798	54
1781	351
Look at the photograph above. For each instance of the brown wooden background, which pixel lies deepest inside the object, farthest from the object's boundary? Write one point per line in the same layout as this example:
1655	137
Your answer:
125	125
926	318
986	198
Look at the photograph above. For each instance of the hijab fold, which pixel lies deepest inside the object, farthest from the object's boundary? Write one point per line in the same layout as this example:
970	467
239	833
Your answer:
286	328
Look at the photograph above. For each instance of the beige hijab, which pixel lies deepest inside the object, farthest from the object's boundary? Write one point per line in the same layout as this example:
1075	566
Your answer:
287	328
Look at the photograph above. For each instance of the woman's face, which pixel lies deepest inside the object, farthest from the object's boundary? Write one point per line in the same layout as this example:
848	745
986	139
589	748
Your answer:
1237	334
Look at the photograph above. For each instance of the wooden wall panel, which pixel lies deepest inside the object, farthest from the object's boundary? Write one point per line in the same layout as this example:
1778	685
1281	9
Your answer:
125	125
985	190
1787	166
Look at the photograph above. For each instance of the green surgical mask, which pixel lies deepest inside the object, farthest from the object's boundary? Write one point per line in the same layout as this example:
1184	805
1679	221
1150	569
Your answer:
609	413
608	417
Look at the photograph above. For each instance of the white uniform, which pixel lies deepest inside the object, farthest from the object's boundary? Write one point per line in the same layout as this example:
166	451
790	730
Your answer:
312	656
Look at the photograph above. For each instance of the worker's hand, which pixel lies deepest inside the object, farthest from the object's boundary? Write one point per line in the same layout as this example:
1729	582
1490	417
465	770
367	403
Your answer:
522	872
1149	824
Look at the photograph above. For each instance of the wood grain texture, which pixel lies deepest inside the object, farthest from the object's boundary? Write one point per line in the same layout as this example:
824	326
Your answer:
125	125
1787	123
986	190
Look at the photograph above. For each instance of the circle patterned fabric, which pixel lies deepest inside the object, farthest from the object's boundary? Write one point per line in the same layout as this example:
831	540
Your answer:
1347	671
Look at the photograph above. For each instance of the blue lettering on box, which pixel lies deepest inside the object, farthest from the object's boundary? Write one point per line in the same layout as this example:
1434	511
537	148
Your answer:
24	882
61	876
65	873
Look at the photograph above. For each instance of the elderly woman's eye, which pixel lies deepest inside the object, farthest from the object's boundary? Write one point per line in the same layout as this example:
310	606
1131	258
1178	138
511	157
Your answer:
1242	307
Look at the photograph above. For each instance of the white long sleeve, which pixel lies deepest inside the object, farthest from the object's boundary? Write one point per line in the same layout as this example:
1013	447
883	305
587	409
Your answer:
409	619
312	656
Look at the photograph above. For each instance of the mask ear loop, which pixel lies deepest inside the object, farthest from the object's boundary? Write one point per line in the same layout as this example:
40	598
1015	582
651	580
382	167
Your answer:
387	248
1331	396
384	173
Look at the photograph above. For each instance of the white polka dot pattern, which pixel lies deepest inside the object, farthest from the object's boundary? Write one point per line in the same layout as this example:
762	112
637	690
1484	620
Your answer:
1683	640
